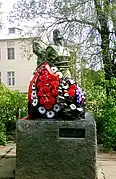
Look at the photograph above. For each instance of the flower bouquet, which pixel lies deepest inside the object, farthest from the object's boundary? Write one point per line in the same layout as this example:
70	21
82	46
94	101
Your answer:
52	96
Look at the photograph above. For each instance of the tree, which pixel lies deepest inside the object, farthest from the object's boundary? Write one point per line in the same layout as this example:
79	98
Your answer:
96	18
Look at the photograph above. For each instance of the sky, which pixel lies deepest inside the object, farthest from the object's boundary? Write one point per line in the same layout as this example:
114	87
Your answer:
7	5
5	9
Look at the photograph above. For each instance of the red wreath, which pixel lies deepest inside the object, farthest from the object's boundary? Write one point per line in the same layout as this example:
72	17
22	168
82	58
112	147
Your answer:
47	87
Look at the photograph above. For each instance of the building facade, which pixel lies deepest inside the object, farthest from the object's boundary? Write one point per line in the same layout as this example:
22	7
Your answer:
17	61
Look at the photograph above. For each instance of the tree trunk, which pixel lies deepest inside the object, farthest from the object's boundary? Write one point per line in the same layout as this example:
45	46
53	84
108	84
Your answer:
103	20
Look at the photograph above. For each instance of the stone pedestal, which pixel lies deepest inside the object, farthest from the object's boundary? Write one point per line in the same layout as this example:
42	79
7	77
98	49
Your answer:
56	149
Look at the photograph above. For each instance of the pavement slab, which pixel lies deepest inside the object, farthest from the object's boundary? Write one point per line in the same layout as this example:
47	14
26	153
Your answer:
7	166
5	149
109	169
106	156
11	153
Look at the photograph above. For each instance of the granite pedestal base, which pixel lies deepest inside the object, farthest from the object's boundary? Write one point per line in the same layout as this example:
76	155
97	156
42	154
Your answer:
56	149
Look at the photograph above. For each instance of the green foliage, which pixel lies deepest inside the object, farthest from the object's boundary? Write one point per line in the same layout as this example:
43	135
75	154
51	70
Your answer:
10	101
108	132
102	106
2	134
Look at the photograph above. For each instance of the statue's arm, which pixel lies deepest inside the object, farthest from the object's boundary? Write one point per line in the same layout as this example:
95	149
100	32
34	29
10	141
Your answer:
36	48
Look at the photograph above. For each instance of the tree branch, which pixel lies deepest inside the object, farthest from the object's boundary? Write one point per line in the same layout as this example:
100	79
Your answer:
63	20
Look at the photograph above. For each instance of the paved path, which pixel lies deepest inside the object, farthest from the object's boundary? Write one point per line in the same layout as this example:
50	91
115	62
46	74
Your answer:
106	163
7	161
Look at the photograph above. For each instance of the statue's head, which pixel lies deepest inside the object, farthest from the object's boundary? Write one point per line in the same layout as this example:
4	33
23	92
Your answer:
56	33
58	39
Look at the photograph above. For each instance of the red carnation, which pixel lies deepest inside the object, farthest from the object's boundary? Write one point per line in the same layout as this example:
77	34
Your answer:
44	72
48	94
57	78
42	100
55	84
41	78
71	92
55	92
51	77
40	93
52	100
40	85
46	89
74	87
47	105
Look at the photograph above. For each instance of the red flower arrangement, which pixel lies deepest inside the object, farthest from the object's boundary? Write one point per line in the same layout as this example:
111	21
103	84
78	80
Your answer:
47	87
48	90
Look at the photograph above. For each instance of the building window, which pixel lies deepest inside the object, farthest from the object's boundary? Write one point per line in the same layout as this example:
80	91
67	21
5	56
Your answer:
11	53
0	78
11	49
11	30
11	78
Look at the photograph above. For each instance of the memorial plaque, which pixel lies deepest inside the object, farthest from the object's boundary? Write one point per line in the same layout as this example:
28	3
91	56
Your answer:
71	133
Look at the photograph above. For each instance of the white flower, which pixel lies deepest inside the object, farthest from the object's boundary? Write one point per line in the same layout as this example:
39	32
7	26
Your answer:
65	87
72	81
72	106
60	74
41	110
33	94
66	94
35	101
50	114
33	87
56	108
54	69
80	109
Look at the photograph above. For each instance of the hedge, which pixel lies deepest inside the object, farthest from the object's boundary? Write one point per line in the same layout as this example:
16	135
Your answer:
10	102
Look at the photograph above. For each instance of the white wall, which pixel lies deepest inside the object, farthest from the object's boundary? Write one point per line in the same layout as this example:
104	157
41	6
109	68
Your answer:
21	65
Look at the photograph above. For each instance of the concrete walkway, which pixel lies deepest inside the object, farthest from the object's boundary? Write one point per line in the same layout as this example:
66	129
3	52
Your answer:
7	161
106	163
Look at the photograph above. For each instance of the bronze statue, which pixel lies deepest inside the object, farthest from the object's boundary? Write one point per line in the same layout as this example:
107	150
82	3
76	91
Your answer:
55	54
57	38
52	92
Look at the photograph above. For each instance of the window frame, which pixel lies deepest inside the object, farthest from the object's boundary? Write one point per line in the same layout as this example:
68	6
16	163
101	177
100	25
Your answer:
11	54
12	30
11	78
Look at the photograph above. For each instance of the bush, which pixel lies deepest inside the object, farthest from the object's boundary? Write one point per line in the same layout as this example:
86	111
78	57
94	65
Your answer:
10	102
2	134
102	106
108	132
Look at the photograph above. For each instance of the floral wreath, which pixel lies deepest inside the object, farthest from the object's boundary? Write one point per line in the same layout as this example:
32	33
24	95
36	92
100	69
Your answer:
50	93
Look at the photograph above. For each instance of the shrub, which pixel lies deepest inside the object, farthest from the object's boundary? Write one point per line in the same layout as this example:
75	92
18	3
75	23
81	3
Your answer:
10	101
108	132
2	134
102	106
